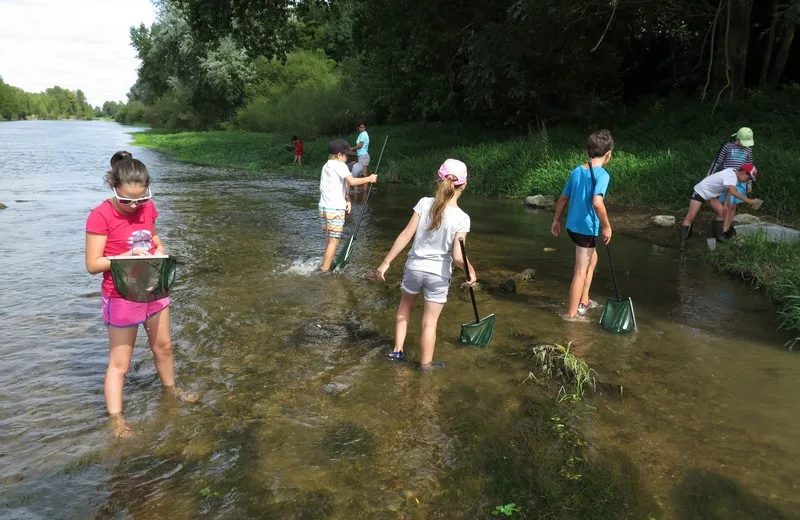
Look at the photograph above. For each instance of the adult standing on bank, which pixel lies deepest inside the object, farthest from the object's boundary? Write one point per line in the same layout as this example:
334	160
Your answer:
362	152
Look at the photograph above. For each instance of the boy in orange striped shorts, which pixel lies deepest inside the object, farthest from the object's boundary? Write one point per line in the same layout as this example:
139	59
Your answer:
334	200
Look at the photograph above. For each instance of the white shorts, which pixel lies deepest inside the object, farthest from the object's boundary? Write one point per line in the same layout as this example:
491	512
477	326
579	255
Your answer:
434	288
363	160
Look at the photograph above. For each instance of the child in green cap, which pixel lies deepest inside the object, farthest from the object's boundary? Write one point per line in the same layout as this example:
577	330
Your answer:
734	155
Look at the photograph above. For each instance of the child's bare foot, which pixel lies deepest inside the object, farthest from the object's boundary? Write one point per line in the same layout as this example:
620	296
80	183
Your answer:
183	395
119	428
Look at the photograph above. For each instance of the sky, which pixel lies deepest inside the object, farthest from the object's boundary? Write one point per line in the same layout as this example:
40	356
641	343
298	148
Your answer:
75	44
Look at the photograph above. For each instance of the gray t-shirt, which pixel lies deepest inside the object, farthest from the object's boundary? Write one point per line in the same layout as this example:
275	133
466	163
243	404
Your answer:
432	251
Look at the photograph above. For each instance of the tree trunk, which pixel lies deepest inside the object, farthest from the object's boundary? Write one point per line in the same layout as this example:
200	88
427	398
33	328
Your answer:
762	79
781	57
738	41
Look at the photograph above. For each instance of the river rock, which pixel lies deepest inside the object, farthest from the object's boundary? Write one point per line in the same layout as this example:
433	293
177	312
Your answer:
525	276
663	220
509	286
539	201
745	218
3	206
335	388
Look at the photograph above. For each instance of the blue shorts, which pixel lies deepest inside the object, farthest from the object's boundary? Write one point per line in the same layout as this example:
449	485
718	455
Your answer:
741	187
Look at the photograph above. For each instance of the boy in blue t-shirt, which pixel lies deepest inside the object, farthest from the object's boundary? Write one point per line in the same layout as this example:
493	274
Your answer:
585	189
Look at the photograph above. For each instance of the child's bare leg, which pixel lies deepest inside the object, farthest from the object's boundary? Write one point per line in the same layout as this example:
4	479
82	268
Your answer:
716	205
299	161
694	207
583	257
120	343
427	342
401	321
330	250
365	186
589	275
728	221
160	340
158	336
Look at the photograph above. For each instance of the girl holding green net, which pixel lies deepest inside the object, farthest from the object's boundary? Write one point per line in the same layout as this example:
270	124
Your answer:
124	225
436	225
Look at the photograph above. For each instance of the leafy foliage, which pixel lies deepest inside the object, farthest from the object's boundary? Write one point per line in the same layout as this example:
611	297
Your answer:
53	103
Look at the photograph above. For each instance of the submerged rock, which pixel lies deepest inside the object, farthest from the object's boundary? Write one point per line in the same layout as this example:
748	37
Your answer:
324	333
663	220
316	334
540	201
347	441
3	206
335	388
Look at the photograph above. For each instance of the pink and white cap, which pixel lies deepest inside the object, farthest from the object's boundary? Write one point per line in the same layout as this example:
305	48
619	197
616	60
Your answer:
455	168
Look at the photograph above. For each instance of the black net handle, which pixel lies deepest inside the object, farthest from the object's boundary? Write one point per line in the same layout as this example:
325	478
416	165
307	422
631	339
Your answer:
369	189
466	269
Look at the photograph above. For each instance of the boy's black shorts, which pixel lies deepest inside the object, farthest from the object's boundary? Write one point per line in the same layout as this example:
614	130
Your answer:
697	197
580	240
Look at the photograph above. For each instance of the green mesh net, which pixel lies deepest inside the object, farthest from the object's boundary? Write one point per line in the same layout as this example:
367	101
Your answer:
143	279
478	334
618	316
343	258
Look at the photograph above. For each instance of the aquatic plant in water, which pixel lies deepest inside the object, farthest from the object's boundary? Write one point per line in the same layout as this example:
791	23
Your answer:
557	362
508	509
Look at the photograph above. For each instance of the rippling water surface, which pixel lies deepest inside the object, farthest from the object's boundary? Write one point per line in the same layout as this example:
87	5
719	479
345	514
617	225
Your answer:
301	416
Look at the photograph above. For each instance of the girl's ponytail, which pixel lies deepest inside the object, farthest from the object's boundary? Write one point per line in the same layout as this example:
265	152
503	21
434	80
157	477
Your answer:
444	193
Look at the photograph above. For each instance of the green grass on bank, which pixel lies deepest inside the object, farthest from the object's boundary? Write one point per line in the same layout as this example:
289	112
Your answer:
773	267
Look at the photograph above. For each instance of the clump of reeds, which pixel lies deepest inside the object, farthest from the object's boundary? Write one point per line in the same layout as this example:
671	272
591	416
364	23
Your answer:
556	362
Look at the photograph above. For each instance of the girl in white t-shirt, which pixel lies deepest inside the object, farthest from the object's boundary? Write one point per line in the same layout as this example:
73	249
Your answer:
435	226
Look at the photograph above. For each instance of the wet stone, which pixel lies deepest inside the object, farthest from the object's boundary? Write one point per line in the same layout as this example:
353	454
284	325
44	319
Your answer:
335	388
745	218
3	206
539	201
509	286
663	220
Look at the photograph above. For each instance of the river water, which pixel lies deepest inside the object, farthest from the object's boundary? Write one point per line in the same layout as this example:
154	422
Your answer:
301	415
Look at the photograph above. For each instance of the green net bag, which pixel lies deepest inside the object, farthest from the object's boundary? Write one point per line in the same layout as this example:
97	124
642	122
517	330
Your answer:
478	334
618	316
143	279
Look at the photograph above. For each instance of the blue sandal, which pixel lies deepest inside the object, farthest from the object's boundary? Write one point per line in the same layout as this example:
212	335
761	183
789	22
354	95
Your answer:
398	356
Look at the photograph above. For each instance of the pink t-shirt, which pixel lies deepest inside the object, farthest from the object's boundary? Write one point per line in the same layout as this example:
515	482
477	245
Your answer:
124	232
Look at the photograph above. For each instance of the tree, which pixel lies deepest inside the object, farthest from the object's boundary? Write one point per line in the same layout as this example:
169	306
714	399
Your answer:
259	26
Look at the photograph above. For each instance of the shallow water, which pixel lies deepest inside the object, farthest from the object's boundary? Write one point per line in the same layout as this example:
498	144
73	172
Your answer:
301	416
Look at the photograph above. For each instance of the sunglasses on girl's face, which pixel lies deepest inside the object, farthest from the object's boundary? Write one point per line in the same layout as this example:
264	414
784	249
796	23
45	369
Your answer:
127	202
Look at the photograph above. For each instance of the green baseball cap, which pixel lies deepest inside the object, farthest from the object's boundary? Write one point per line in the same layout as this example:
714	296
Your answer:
745	136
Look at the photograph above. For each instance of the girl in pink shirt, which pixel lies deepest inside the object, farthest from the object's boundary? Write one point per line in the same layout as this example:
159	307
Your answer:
120	226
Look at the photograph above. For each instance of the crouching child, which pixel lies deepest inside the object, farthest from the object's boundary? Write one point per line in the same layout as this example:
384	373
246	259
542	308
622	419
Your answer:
708	191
